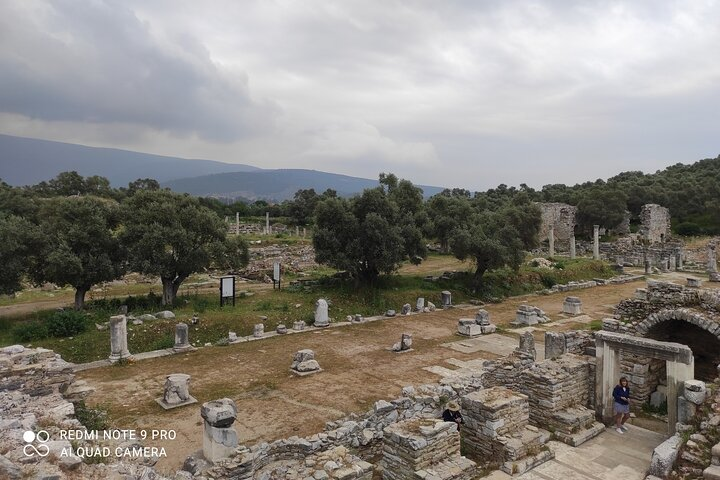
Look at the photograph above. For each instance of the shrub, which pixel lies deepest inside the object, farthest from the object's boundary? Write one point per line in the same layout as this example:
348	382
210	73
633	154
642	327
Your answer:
688	229
30	331
66	323
92	418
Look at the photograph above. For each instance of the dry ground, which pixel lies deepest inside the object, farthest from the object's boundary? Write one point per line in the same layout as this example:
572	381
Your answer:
272	404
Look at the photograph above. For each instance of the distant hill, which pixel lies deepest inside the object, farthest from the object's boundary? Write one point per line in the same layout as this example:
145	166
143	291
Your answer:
275	185
27	161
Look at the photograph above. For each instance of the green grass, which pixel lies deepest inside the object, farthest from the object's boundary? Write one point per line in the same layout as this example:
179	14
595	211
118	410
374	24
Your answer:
283	306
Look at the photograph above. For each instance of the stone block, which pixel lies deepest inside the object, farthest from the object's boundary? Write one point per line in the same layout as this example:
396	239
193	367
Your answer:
572	306
664	456
695	391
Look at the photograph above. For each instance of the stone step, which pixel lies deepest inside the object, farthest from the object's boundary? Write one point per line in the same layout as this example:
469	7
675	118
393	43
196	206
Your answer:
712	473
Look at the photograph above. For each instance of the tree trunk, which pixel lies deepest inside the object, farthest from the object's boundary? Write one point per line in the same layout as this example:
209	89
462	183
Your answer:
170	289
80	297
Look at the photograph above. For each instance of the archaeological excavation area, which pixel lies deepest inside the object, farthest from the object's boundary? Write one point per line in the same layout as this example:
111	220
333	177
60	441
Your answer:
364	398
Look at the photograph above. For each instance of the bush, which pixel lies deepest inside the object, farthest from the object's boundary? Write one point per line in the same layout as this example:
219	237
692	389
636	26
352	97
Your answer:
30	331
66	323
688	229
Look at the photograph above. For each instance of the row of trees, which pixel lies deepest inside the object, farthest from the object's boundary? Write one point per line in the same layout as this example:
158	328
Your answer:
376	231
85	239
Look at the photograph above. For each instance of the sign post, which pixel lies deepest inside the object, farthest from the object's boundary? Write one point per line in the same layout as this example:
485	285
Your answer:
276	275
227	290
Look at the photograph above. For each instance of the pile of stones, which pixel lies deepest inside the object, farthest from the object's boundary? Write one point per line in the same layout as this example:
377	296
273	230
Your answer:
304	363
480	325
527	315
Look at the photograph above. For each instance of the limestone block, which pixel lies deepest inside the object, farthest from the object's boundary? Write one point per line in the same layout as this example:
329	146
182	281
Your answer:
482	317
420	304
219	413
470	329
664	456
695	391
307	366
219	443
572	306
358	318
686	410
258	330
165	315
281	329
299	325
431	306
390	313
657	398
406	309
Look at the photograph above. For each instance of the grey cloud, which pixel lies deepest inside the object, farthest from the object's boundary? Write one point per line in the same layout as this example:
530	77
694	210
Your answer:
97	62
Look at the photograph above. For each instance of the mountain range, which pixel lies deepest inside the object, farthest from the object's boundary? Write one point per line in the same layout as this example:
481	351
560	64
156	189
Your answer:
28	161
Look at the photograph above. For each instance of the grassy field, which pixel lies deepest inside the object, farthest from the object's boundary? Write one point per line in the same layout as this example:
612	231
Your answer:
282	307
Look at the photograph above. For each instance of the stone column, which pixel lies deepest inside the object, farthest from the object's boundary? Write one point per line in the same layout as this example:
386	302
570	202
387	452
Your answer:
527	344
420	304
551	241
118	338
267	223
573	254
677	374
596	242
679	261
182	343
321	313
219	439
446	297
297	231
712	260
237	223
607	372
304	232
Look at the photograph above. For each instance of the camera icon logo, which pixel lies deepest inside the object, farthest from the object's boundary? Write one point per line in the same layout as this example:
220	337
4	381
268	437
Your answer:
31	450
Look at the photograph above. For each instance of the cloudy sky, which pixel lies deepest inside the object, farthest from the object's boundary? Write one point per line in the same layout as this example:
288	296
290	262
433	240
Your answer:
452	93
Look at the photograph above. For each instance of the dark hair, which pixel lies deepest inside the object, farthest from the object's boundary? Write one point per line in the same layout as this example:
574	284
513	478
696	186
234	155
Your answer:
622	379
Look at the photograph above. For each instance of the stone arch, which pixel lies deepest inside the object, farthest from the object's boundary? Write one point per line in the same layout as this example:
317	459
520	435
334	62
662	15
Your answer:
684	314
690	328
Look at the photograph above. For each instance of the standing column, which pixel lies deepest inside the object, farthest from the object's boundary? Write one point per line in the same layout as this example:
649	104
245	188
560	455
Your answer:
297	231
711	261
551	241
237	223
573	254
596	242
118	338
267	223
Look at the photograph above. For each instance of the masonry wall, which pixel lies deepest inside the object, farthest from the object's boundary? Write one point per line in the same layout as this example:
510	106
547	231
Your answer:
561	216
555	385
655	222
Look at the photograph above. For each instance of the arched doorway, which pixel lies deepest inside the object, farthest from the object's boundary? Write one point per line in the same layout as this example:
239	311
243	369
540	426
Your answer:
704	345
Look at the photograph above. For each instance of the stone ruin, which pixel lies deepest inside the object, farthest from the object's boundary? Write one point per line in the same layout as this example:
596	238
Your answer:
177	392
118	339
182	342
219	439
321	313
411	447
572	306
405	343
480	325
497	430
527	315
304	363
446	299
406	309
561	217
654	223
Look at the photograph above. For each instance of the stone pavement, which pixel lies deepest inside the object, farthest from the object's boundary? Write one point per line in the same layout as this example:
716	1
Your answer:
609	456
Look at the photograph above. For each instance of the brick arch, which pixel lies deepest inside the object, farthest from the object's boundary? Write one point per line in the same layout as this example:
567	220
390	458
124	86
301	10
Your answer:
683	314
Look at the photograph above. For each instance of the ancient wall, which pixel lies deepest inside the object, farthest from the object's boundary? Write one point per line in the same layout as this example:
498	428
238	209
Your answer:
561	216
654	223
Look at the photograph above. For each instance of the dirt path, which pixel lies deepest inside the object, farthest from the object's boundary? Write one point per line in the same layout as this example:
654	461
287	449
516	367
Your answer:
358	370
